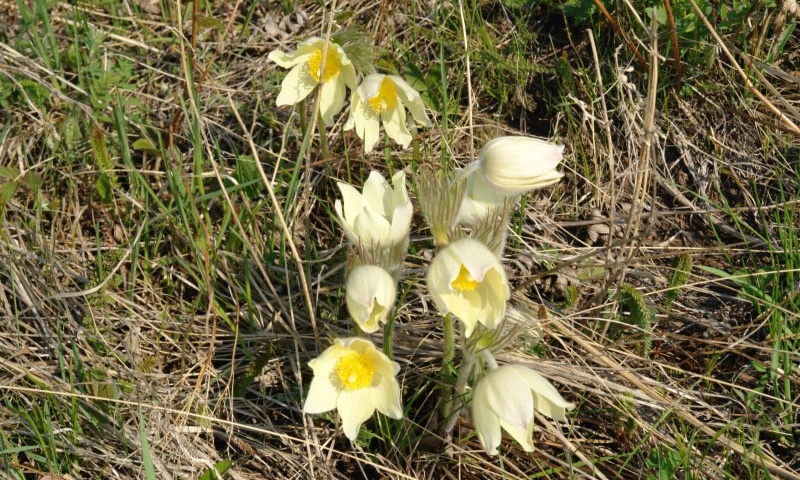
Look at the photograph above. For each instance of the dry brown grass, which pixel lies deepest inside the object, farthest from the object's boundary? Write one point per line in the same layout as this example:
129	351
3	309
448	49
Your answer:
159	315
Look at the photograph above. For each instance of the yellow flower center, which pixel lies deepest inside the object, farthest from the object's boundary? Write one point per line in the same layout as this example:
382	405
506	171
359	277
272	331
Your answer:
355	371
332	65
464	282
386	98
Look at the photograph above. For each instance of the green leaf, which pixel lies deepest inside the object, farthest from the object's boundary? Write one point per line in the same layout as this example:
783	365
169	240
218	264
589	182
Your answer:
7	191
144	144
219	469
104	188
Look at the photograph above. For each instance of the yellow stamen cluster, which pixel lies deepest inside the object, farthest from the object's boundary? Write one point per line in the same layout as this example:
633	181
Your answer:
355	371
385	99
464	282
332	65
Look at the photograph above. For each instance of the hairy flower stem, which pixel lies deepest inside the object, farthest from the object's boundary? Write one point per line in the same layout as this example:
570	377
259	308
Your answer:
323	137
303	116
464	372
387	337
447	360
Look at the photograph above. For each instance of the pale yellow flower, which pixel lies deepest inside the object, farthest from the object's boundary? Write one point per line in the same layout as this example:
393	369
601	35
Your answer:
355	378
370	294
481	200
467	280
507	397
515	165
378	217
307	72
384	99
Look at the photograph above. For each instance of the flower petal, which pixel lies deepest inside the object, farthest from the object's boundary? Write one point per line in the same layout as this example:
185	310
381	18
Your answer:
394	122
355	407
331	99
547	400
487	425
295	86
412	100
322	395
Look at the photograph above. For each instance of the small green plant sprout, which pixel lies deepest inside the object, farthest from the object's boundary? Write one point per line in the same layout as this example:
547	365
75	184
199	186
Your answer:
681	268
642	315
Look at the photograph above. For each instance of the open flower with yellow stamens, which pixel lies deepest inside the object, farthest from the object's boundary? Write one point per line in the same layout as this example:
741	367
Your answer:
370	294
467	280
307	71
507	397
384	99
355	378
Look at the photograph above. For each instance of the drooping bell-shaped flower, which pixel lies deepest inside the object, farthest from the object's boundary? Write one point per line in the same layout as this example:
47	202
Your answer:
355	378
384	99
307	71
467	280
370	295
515	165
380	216
507	398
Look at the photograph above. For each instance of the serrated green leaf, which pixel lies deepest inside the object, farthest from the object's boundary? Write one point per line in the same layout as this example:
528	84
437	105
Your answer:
104	188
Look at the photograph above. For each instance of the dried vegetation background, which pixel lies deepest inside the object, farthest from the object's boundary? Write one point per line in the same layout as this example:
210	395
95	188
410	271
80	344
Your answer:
168	264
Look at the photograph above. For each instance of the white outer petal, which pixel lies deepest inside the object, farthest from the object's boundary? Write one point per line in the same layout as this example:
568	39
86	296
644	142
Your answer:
367	284
394	122
487	425
412	100
546	398
331	99
370	86
516	165
295	86
355	407
401	222
377	194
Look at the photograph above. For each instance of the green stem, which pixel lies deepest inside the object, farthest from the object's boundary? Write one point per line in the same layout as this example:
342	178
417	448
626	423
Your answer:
447	360
323	138
387	337
303	116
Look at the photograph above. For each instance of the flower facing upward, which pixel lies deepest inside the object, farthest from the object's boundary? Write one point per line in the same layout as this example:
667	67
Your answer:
384	98
506	397
307	72
467	280
370	293
355	378
515	165
378	217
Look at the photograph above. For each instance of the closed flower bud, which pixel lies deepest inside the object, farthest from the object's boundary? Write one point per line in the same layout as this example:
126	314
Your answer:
378	217
507	397
515	165
355	378
467	280
370	295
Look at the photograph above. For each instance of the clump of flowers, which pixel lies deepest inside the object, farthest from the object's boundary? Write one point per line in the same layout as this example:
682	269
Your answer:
467	213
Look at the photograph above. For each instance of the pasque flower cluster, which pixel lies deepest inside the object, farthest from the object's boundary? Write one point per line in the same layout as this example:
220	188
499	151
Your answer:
468	215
